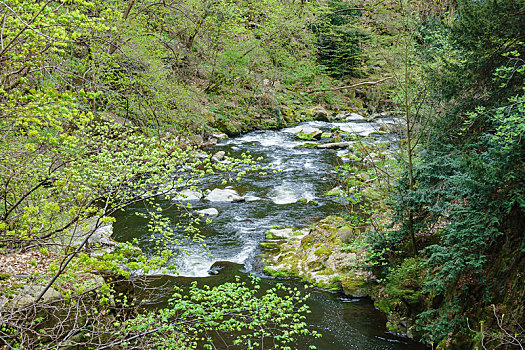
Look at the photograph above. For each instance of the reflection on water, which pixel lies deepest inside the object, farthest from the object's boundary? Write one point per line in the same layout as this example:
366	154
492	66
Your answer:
345	323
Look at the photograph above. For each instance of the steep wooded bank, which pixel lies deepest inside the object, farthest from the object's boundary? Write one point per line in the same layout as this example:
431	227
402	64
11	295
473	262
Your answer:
184	66
456	256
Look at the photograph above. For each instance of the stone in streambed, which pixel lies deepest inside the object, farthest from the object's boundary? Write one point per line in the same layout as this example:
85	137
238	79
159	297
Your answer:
252	198
334	145
318	113
208	212
219	135
217	157
187	196
355	118
308	145
307	201
224	195
269	245
309	134
283	233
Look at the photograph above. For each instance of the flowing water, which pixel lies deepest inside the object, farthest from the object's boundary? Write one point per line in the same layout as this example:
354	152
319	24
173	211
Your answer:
272	200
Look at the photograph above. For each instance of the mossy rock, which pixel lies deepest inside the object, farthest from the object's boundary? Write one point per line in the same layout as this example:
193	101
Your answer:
307	242
318	113
323	252
345	234
329	285
269	245
350	137
276	234
278	273
355	285
307	201
326	272
304	136
336	191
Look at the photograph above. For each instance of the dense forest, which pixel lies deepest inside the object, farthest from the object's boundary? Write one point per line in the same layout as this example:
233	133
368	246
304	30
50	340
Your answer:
110	105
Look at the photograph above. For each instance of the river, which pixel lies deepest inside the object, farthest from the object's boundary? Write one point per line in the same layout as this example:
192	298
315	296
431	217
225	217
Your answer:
271	200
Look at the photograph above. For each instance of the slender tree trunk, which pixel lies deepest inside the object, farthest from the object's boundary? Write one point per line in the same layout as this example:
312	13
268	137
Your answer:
125	15
409	151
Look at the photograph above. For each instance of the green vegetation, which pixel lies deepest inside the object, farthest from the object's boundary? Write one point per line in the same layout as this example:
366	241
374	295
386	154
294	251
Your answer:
459	206
104	104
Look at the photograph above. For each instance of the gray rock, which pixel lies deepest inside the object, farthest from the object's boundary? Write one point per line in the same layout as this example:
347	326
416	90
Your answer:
345	234
217	157
102	236
388	128
100	252
224	195
340	116
283	233
208	212
318	113
29	294
202	155
355	118
188	196
308	133
75	237
334	145
219	135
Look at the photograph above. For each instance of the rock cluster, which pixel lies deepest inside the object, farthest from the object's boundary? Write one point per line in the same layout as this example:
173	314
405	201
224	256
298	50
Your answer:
315	255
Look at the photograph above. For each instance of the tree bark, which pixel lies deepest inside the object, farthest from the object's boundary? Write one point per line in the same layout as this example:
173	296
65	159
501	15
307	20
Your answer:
125	15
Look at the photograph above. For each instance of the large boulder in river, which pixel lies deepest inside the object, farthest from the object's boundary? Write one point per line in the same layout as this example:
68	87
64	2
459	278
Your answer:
224	195
318	113
208	212
355	118
217	157
334	145
308	133
219	135
187	196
